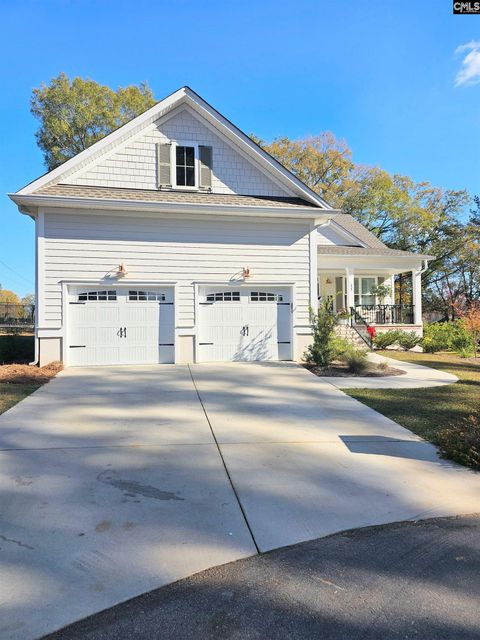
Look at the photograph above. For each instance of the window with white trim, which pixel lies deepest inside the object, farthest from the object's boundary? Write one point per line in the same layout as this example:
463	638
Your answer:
265	296
224	296
185	166
109	295
146	296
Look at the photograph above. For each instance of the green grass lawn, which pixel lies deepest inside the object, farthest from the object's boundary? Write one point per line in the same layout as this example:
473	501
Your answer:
428	411
11	393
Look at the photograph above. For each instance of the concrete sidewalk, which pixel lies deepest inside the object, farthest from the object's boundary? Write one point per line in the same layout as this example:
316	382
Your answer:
396	581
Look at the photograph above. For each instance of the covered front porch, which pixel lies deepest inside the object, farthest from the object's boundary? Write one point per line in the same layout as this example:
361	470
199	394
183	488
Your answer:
369	295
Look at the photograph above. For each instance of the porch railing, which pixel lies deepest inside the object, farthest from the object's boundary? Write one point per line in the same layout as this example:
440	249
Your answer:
386	313
361	327
17	315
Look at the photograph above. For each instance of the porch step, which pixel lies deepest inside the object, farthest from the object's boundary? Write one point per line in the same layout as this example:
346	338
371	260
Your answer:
348	333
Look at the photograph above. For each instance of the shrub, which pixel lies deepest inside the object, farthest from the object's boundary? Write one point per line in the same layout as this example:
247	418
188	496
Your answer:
355	359
465	353
471	325
461	442
320	352
339	347
408	339
15	348
384	340
442	336
462	342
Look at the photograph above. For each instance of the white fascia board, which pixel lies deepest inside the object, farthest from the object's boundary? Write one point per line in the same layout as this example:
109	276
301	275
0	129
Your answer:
372	261
300	213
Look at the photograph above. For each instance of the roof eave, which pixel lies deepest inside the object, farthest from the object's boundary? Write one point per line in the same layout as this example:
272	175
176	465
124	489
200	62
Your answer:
418	256
302	213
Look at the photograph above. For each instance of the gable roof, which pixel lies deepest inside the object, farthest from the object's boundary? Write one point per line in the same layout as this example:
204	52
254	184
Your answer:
371	245
346	222
187	96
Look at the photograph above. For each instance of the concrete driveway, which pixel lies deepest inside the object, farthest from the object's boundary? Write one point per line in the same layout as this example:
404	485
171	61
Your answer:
115	481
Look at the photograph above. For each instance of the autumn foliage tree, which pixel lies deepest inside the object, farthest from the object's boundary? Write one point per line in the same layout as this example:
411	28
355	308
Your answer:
471	322
404	214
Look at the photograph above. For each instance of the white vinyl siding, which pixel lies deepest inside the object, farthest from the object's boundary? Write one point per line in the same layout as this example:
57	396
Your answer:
86	247
133	165
328	237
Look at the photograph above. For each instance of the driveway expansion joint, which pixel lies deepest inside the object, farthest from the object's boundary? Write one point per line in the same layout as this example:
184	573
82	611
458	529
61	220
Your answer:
224	463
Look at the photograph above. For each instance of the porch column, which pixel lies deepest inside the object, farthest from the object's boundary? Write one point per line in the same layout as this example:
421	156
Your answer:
350	287
417	296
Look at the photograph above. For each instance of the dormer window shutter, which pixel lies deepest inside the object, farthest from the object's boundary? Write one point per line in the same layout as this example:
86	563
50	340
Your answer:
164	168
205	157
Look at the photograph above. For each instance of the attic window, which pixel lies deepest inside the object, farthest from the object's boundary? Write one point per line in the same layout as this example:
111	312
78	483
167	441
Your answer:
185	166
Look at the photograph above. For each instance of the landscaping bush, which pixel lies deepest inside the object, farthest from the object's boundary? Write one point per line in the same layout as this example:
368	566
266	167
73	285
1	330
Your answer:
384	340
321	351
408	339
15	348
444	336
354	358
461	442
339	347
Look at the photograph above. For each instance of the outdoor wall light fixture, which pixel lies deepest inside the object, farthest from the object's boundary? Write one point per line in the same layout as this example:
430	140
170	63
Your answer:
328	281
246	272
122	270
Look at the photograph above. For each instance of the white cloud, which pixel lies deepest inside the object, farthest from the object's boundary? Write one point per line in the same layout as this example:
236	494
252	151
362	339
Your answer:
469	72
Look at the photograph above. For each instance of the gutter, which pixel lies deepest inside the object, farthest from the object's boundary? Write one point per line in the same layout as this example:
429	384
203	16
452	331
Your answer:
303	213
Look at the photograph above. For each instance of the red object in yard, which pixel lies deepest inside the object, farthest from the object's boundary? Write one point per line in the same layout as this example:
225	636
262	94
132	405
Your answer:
371	331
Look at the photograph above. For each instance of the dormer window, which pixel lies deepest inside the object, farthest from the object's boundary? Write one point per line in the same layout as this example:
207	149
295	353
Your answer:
185	166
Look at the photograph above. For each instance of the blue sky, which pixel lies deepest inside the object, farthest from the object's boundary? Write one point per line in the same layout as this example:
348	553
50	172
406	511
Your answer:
387	75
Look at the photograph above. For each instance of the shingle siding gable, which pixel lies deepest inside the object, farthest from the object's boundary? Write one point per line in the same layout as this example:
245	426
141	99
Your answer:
133	165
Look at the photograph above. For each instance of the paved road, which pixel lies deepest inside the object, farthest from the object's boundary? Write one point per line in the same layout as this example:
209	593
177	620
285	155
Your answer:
395	581
117	481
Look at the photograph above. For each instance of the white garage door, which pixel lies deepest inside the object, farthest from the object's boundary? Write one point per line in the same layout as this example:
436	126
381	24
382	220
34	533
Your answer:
120	326
244	324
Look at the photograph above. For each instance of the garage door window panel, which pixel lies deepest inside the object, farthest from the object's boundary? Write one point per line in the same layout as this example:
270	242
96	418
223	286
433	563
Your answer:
98	296
145	296
265	296
224	296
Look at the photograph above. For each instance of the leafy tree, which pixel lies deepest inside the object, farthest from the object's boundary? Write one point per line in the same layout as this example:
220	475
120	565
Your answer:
404	214
74	114
29	299
8	297
322	162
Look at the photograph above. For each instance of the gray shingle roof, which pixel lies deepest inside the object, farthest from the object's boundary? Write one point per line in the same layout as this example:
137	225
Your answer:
187	197
354	227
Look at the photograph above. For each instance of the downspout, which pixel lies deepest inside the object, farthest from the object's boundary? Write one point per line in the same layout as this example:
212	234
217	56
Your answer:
36	355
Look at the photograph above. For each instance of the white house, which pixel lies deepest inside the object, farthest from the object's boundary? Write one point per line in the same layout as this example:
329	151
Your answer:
177	239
